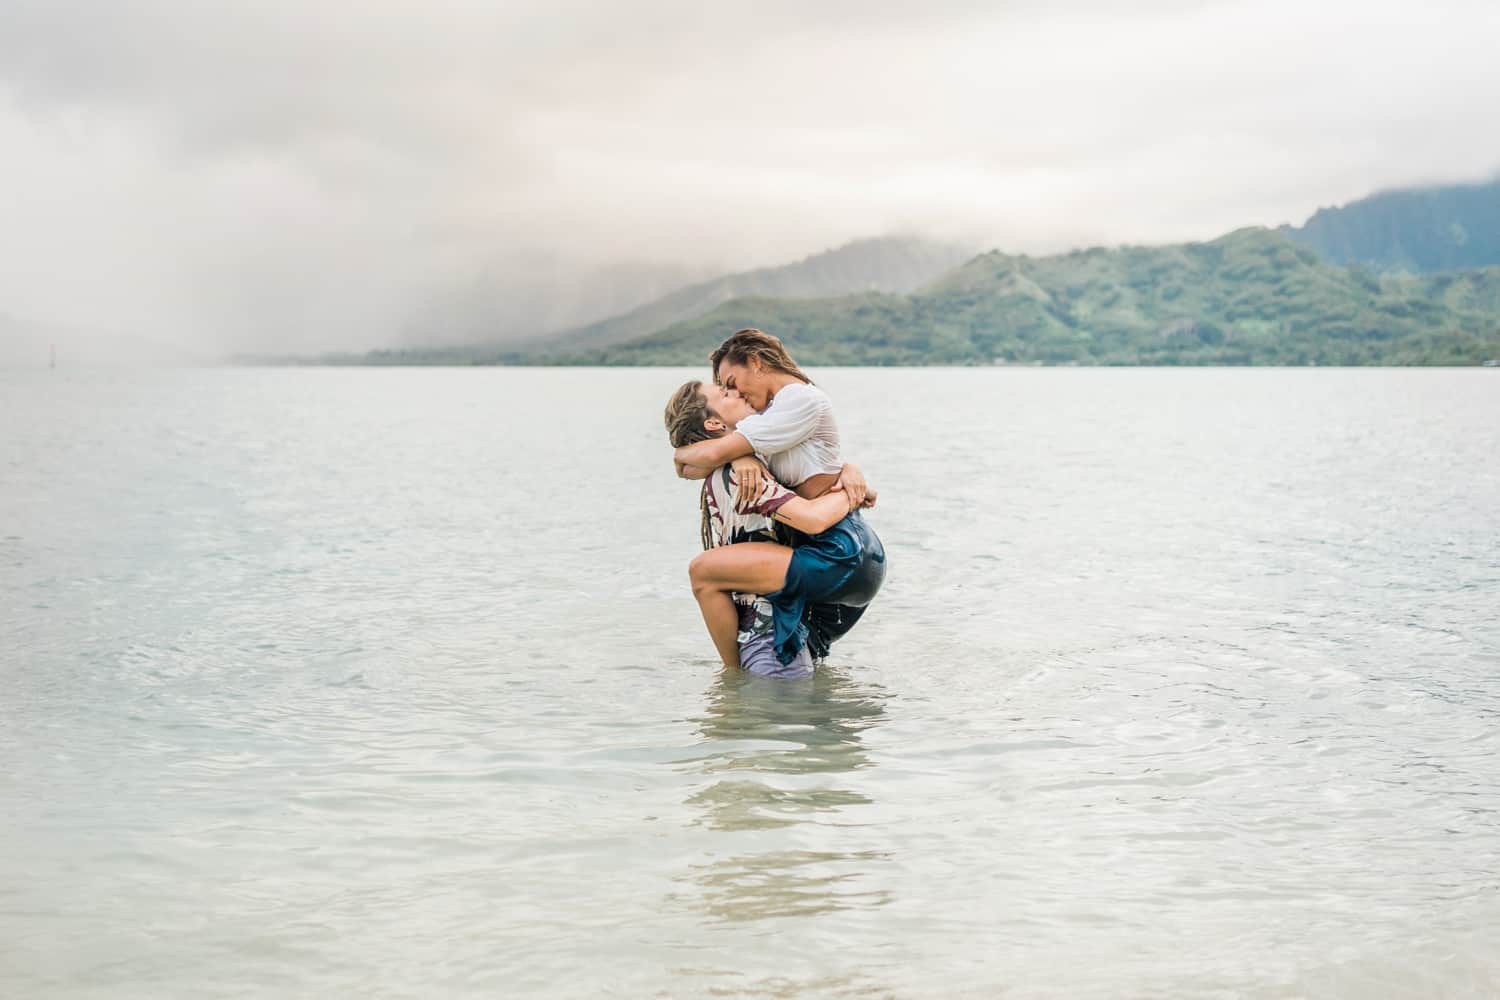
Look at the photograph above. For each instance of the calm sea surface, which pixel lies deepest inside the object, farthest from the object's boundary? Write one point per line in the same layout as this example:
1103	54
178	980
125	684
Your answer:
388	683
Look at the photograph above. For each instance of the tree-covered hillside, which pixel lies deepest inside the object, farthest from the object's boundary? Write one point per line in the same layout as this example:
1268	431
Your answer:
1252	297
1417	231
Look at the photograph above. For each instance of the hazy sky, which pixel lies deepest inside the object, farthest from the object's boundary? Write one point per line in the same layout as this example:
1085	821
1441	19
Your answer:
309	175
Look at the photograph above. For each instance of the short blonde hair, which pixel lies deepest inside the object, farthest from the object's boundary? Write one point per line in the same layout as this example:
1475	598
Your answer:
686	413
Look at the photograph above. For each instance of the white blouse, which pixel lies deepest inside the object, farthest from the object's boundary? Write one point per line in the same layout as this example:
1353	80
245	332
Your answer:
797	434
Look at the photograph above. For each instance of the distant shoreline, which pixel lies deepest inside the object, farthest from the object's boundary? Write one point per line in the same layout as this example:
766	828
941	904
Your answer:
1024	365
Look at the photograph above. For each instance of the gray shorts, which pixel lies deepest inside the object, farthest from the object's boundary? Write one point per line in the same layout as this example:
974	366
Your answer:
758	656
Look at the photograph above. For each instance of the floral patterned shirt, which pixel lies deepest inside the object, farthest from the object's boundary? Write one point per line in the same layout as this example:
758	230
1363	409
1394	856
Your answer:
729	526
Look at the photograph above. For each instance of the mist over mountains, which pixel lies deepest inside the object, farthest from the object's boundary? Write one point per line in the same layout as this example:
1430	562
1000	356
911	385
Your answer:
892	264
301	178
878	265
1408	277
509	302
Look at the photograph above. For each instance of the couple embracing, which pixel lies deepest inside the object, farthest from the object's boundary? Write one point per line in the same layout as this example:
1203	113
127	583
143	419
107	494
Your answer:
790	564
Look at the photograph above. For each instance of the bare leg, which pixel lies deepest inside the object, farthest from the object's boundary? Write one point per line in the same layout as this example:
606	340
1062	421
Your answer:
723	621
749	567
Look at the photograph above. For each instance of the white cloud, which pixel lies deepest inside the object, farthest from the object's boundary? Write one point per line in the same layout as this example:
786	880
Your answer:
306	176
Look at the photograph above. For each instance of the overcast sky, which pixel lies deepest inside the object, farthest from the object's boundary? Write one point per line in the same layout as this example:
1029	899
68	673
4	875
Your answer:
306	175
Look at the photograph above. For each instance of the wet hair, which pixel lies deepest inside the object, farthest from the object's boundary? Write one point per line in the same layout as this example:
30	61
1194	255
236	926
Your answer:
748	343
684	416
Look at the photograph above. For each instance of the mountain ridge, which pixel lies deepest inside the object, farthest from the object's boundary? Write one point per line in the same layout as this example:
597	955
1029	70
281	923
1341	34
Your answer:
1357	284
891	263
1250	297
1420	230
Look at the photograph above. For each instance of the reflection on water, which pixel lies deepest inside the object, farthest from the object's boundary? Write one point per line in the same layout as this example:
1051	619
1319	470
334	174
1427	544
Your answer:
791	727
776	751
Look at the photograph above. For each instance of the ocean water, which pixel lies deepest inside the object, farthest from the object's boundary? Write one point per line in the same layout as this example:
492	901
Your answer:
388	683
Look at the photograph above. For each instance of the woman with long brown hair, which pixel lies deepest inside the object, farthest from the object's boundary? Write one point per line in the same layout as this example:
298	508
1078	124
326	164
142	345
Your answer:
828	577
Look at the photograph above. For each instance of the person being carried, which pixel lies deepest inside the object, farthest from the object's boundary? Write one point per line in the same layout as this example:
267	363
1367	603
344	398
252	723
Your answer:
821	590
698	412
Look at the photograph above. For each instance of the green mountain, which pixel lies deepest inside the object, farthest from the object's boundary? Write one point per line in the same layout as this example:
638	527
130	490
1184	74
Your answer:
1418	231
891	264
886	265
1252	297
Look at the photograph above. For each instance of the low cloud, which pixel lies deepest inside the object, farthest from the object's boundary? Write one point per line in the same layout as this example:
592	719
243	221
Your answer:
301	177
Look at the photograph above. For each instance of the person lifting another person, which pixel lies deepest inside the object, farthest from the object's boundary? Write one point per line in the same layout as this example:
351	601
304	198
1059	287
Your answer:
818	578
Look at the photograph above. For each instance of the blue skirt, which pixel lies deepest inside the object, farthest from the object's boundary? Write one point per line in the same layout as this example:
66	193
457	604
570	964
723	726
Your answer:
844	565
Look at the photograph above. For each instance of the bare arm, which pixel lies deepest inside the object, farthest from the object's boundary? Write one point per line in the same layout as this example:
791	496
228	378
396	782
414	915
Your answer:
813	516
747	470
714	452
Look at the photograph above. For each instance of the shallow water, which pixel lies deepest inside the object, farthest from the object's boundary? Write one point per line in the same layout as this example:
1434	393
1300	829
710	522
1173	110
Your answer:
1183	683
